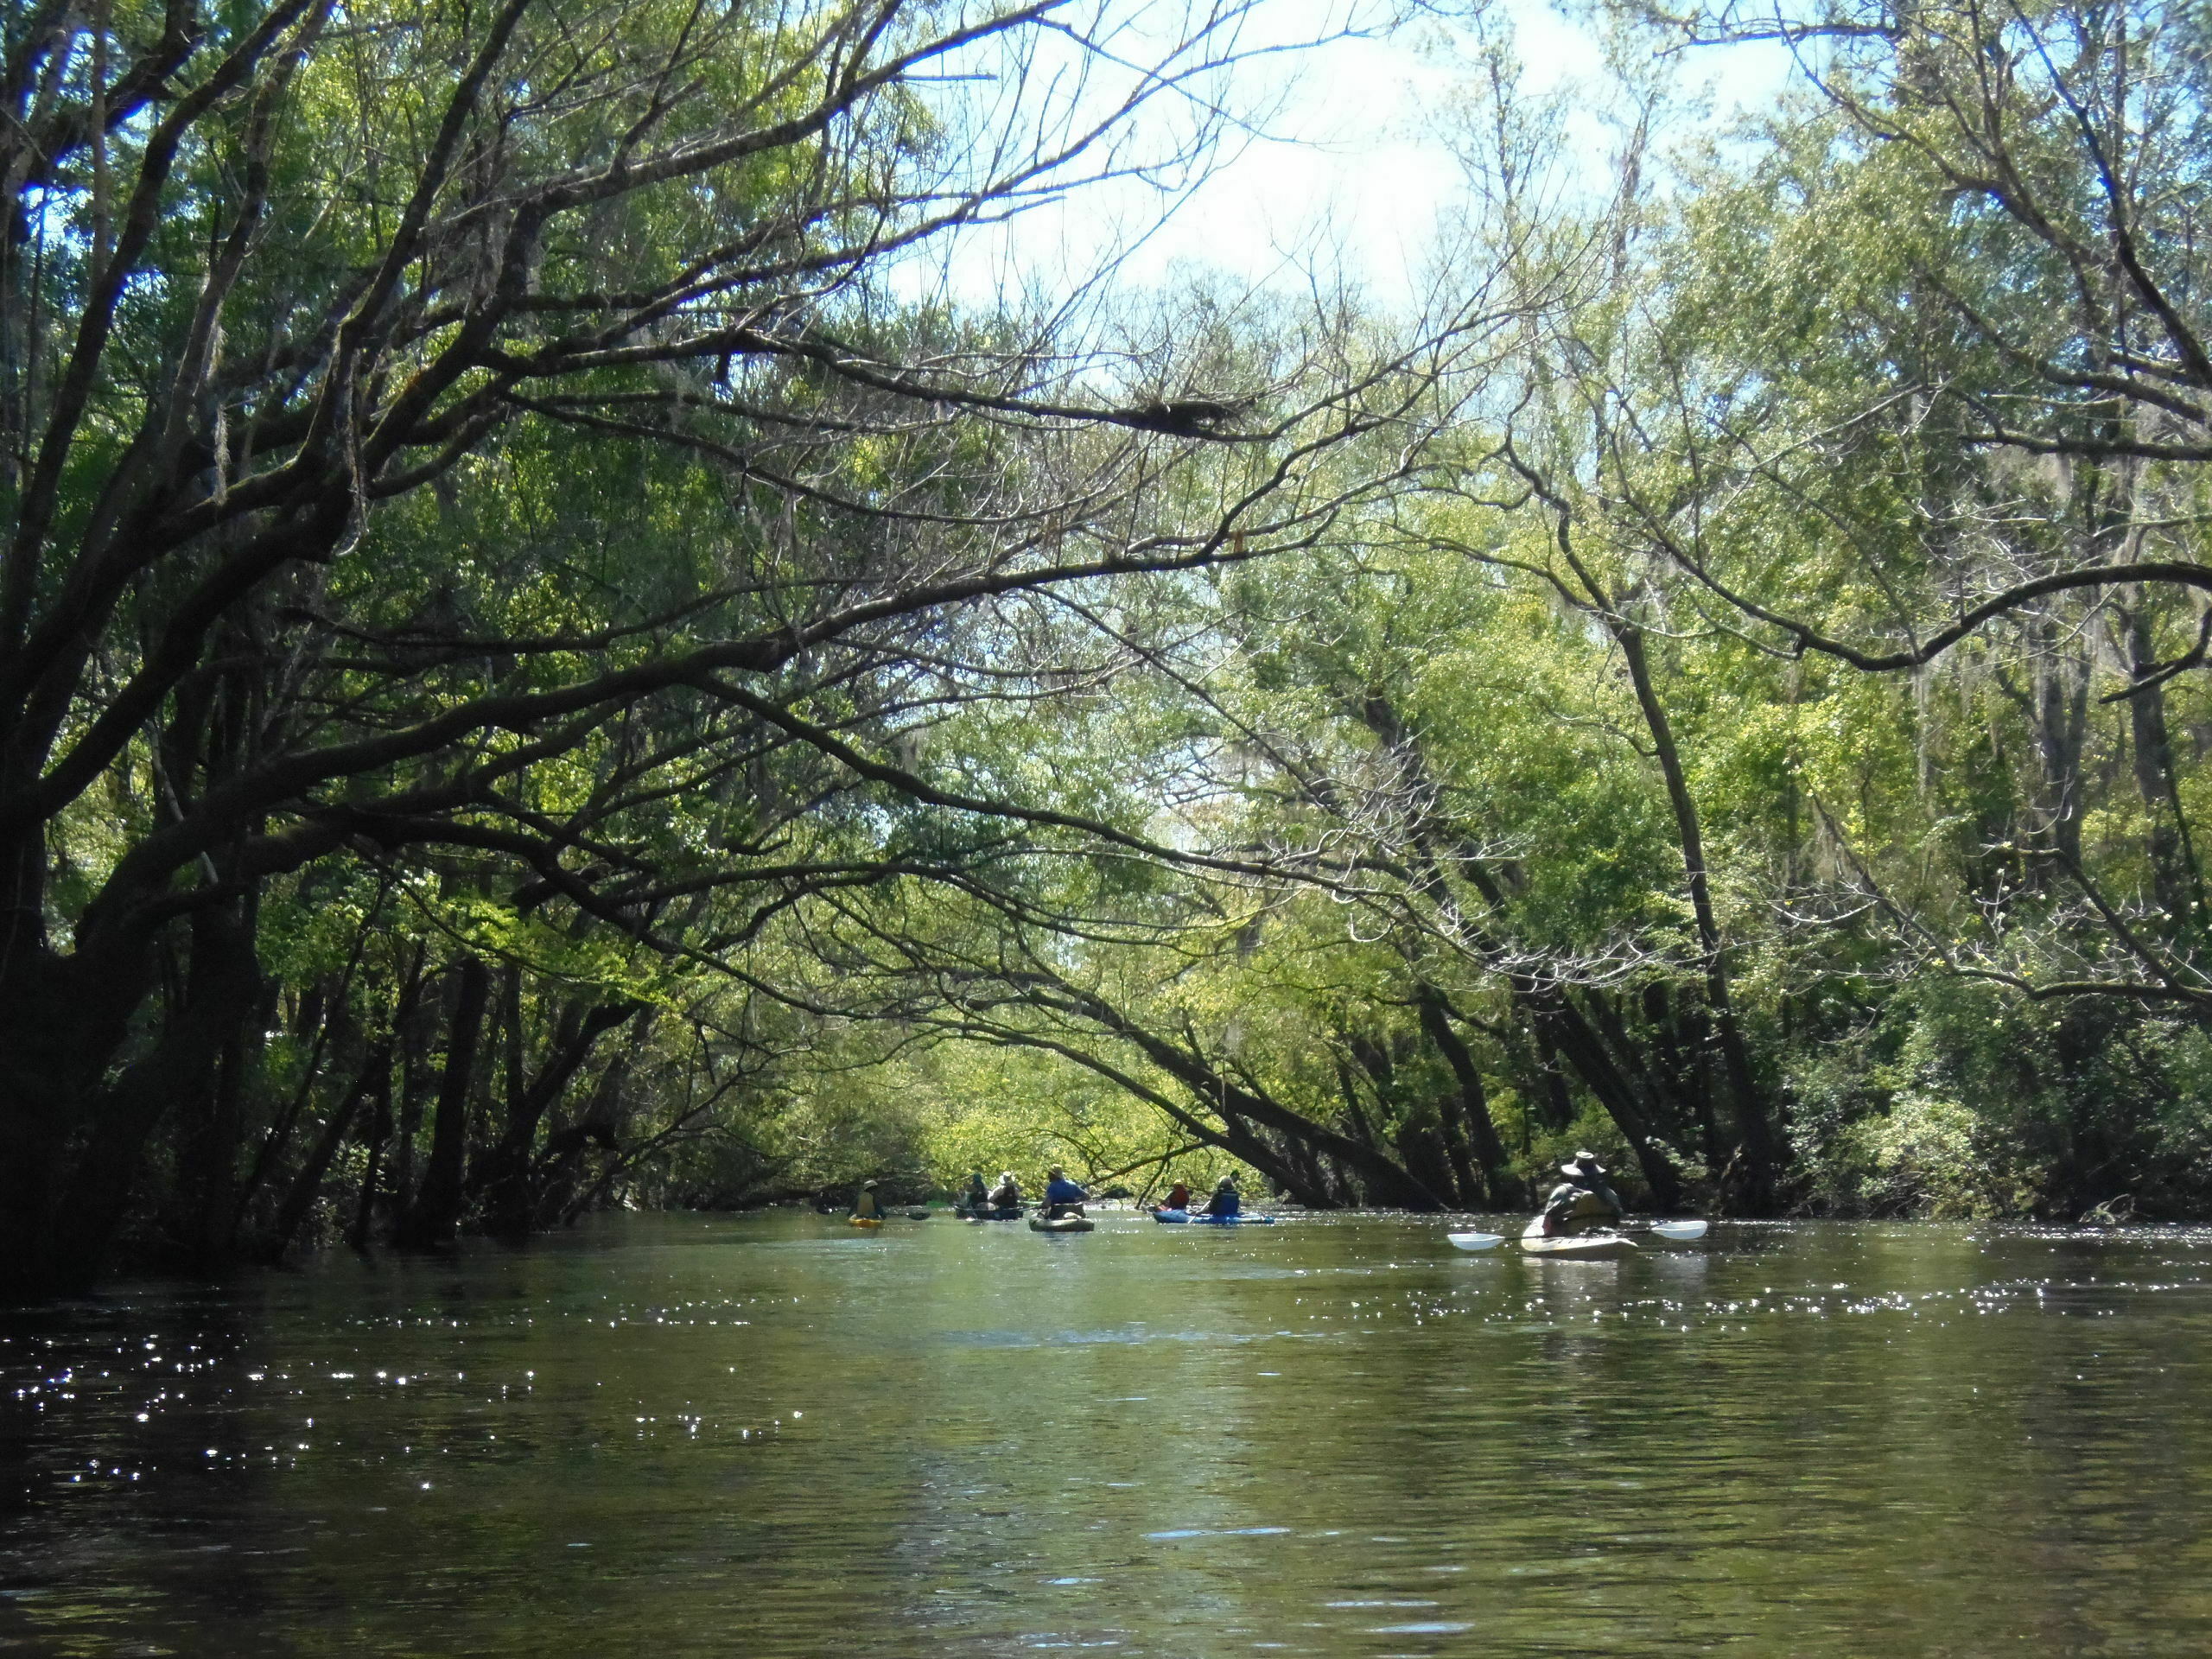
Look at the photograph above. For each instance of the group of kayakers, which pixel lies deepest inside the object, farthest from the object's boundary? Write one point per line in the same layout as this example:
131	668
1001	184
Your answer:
1003	1202
1584	1201
983	1201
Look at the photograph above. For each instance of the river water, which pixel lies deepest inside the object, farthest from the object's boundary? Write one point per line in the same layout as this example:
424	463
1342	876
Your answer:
776	1434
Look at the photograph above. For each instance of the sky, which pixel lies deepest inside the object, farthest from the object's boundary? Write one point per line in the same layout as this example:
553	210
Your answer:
1348	170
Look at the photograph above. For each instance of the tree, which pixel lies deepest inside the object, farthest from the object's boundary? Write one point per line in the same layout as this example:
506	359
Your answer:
450	440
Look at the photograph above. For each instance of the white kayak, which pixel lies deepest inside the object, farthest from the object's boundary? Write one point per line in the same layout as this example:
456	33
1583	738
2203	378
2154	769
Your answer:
1588	1245
1575	1246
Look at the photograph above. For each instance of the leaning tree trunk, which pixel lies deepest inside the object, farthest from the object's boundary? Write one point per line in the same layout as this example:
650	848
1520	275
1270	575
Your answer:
1565	1032
505	1178
1478	1131
308	1184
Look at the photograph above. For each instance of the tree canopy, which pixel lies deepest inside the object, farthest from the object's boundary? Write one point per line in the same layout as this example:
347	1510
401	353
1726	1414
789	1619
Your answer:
544	662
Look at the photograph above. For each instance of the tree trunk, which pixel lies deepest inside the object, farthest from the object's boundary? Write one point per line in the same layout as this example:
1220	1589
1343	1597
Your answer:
75	1225
1755	1146
2174	878
325	1017
1564	1030
1472	1105
503	1176
308	1184
379	1132
432	1218
2059	713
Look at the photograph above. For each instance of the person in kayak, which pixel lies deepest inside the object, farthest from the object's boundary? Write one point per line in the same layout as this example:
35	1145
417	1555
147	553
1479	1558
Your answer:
1007	1195
1178	1197
977	1197
1224	1202
867	1206
1584	1203
1062	1196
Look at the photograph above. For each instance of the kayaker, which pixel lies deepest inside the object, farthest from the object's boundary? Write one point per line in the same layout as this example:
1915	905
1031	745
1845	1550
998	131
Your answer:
977	1197
1224	1202
1584	1203
1062	1196
1007	1195
1178	1197
867	1206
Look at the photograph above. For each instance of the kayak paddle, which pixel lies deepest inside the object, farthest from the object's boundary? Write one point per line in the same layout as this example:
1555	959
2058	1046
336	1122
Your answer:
1680	1232
1477	1241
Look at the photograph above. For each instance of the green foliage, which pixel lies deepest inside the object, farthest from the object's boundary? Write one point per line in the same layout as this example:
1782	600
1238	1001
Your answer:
743	715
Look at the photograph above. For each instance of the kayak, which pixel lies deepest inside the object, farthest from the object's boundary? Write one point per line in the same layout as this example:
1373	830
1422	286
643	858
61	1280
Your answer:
1583	1244
1575	1246
1065	1224
988	1215
865	1221
1178	1216
918	1215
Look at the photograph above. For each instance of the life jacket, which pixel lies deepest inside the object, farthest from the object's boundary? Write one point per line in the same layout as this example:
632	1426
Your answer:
1577	1209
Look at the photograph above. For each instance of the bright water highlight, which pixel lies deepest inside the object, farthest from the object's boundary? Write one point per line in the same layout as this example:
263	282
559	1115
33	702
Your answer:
776	1434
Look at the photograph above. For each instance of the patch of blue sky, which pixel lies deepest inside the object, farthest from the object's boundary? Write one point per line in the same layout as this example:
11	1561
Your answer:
1332	158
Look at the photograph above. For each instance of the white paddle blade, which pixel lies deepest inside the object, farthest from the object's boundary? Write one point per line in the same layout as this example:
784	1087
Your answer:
1681	1229
1477	1241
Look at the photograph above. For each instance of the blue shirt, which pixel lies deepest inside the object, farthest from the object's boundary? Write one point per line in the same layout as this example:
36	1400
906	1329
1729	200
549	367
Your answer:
1063	1190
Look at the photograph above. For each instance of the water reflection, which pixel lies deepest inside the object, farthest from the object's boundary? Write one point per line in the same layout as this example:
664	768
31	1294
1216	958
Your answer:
1342	1437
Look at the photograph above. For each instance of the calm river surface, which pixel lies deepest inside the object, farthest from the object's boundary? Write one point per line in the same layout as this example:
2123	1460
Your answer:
775	1435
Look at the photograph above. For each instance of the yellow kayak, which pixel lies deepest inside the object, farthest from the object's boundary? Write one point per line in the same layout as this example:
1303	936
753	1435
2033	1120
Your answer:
865	1221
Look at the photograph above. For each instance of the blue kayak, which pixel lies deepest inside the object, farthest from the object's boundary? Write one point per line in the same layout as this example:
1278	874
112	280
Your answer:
1180	1215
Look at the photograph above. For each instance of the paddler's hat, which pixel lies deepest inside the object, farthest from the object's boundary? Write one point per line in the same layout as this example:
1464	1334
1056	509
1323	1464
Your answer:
866	1185
1584	1163
1056	1170
1226	1183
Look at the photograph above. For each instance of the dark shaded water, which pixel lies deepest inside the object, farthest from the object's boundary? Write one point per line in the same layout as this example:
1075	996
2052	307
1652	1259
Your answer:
778	1435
